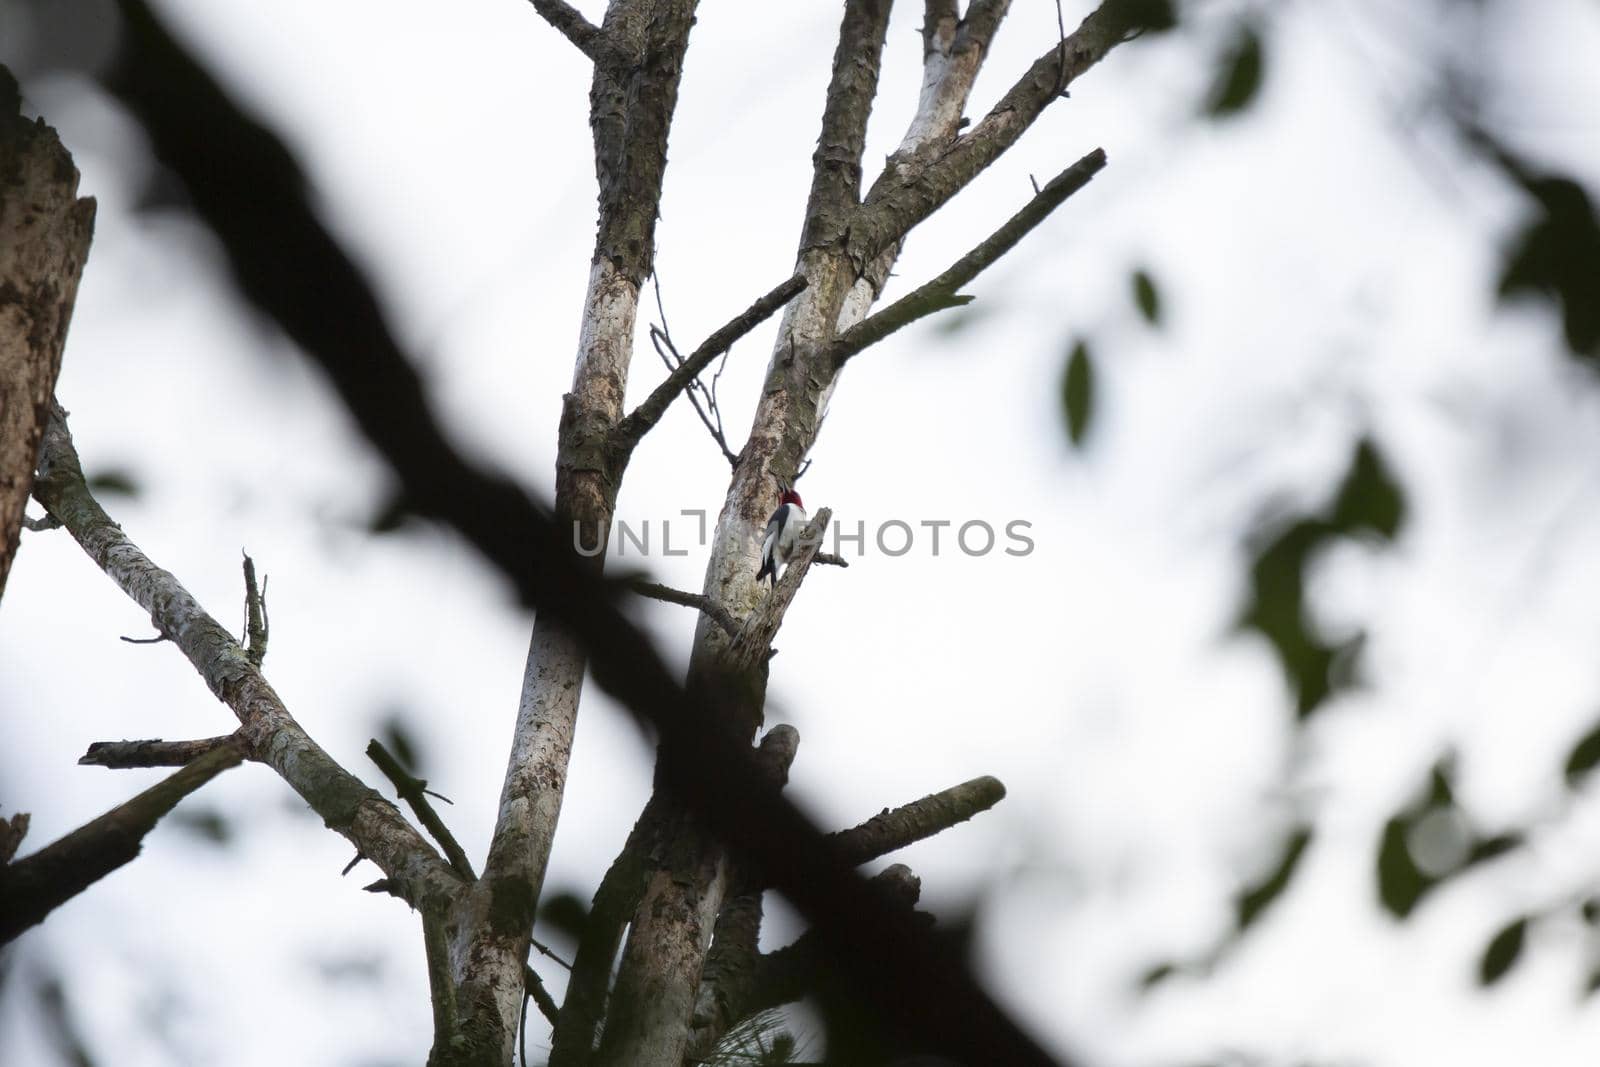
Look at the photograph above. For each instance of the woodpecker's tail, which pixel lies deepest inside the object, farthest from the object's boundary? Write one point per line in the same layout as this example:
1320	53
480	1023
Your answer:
768	567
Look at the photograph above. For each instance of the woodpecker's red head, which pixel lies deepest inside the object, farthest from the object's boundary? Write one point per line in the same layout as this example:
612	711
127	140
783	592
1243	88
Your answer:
790	497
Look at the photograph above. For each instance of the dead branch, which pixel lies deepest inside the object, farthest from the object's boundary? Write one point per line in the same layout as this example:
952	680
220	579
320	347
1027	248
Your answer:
120	755
255	609
719	614
920	819
414	791
941	292
36	885
268	731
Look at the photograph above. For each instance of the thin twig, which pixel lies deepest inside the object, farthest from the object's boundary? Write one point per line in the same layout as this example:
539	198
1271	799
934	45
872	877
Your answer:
156	640
704	400
644	417
255	609
412	791
941	292
47	522
155	752
716	612
545	950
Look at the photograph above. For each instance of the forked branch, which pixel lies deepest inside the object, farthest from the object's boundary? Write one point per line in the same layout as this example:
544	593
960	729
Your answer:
942	292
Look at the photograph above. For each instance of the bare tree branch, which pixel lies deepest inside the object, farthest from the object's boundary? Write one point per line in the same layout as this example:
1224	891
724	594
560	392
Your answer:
644	417
590	39
917	183
735	940
255	610
941	292
541	996
120	755
836	164
36	885
270	733
414	792
918	820
656	591
577	1028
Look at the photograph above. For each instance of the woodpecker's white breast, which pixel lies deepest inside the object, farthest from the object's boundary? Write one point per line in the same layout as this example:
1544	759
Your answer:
782	532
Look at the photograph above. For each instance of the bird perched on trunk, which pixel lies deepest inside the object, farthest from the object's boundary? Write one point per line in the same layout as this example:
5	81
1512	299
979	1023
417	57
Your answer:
783	533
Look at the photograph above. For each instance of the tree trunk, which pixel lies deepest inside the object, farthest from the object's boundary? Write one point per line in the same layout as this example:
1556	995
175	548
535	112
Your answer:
44	240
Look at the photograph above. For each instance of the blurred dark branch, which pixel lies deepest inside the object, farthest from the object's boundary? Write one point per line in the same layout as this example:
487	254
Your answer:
941	292
414	791
718	614
120	755
36	885
573	1040
768	980
590	39
12	831
245	187
736	937
644	417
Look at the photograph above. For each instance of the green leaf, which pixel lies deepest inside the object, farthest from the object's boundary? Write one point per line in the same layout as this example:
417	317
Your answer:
1401	883
1239	73
1369	498
1077	392
1503	951
1584	756
1146	297
1252	902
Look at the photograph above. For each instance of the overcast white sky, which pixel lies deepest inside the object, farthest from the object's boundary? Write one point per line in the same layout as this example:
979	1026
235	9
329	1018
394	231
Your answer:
1325	263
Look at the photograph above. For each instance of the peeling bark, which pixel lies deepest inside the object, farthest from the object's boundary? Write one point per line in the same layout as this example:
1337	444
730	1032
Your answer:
44	239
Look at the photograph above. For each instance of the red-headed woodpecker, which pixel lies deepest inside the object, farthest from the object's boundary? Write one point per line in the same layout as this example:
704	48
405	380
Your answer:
783	530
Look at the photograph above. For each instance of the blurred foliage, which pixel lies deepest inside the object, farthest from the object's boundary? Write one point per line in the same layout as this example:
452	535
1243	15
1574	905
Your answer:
566	911
1238	77
1252	902
119	481
1429	842
1077	392
399	738
1146	297
1503	951
1369	502
1556	255
206	824
1584	756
